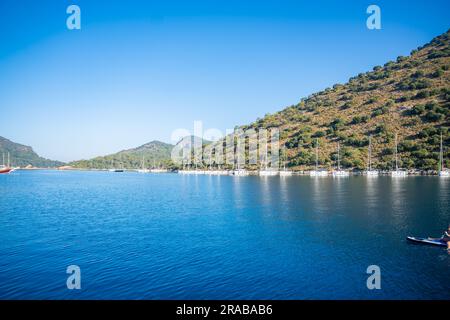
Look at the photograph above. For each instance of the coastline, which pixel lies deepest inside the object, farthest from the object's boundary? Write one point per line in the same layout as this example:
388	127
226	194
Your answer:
230	172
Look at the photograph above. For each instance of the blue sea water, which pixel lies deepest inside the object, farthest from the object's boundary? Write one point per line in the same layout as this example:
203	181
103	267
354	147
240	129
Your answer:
169	236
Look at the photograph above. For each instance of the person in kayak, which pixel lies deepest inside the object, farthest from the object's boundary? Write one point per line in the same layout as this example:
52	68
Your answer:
446	238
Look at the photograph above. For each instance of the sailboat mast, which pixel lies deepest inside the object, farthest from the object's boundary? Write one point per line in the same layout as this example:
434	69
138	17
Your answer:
266	157
338	159
317	153
396	158
9	163
370	153
210	159
3	159
441	156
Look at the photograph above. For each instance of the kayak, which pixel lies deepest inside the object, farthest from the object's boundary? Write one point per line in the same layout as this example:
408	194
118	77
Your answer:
436	242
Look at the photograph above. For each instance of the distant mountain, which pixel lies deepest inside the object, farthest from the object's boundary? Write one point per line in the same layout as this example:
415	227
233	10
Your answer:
409	97
22	155
194	141
155	153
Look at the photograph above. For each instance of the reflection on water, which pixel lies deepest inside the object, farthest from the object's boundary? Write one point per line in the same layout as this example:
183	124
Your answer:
371	188
265	184
444	196
398	198
339	189
175	236
319	196
237	192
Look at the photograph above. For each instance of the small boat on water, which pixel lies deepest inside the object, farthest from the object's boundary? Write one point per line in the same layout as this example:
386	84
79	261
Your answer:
339	172
218	171
432	241
264	170
113	169
397	172
266	173
186	170
6	168
370	172
240	172
318	172
143	169
442	171
158	170
284	172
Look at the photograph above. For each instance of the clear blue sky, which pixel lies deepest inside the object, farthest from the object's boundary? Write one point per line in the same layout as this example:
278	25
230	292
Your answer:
137	70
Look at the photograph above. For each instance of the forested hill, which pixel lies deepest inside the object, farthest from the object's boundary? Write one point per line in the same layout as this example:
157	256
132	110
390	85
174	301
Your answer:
22	156
154	153
409	97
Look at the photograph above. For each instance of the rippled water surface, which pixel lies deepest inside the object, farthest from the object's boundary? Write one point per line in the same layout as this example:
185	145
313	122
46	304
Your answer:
168	236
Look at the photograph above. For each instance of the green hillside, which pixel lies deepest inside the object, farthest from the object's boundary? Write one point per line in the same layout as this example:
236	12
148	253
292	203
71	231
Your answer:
22	156
155	153
409	97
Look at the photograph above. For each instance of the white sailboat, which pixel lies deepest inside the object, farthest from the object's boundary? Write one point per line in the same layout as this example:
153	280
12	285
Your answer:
159	169
266	171
339	172
113	169
197	171
285	172
210	161
211	169
6	168
187	169
442	171
240	172
397	172
184	169
143	169
221	172
370	172
121	169
317	172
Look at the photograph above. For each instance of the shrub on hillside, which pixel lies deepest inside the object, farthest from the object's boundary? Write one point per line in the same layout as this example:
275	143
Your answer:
359	119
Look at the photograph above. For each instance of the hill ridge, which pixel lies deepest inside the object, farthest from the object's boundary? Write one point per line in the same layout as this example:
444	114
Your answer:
409	96
22	155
